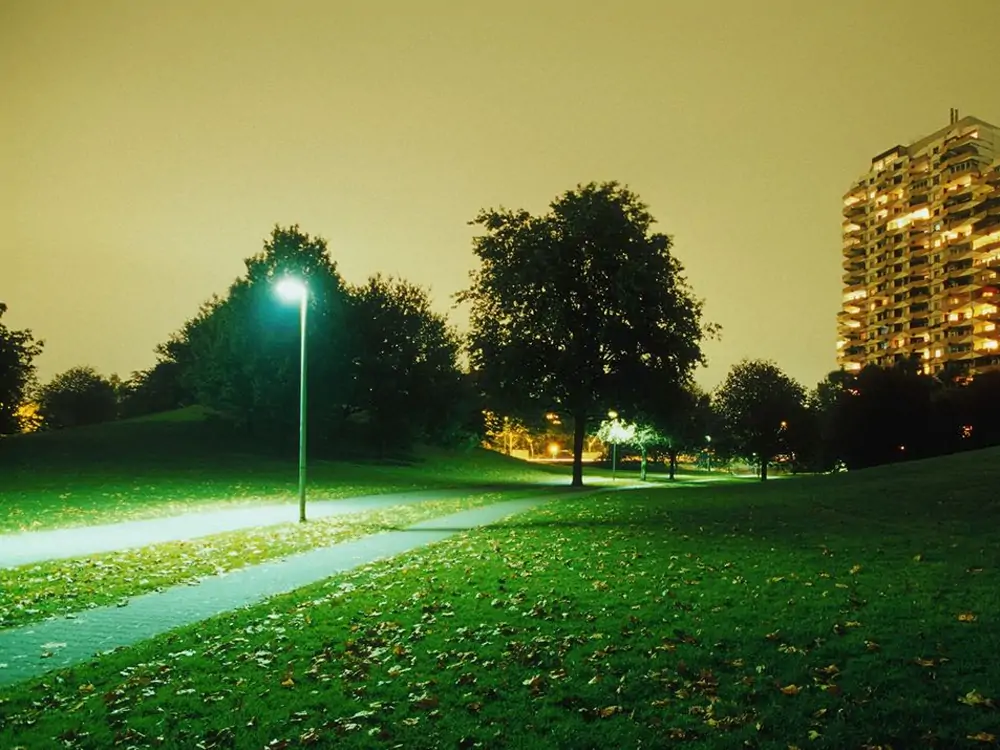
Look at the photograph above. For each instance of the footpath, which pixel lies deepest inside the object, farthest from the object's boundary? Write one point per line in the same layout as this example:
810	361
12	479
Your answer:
33	650
79	541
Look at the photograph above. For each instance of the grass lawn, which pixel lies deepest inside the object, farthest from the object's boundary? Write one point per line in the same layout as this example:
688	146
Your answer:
179	461
849	611
38	591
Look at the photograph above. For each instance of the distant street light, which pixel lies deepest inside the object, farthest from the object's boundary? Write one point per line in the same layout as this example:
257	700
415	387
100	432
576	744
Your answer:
292	290
708	452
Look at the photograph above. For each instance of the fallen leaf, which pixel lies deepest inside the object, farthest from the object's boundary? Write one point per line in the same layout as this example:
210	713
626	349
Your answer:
791	689
982	737
966	617
975	698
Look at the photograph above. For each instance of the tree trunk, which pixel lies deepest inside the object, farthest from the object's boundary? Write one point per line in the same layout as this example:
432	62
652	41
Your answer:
642	466
763	468
673	463
579	433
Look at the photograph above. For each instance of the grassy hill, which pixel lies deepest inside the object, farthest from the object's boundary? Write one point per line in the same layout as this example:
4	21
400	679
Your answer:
857	610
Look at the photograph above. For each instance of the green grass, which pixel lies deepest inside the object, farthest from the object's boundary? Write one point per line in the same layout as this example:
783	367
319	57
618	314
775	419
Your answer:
36	592
858	610
182	460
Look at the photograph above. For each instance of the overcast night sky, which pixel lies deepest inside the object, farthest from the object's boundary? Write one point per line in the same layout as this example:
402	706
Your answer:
146	148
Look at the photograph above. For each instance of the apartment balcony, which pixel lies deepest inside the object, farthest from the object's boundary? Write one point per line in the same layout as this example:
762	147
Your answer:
986	224
955	300
962	147
961	252
854	264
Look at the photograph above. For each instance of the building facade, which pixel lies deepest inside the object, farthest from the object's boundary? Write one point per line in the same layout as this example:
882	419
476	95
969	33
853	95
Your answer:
921	255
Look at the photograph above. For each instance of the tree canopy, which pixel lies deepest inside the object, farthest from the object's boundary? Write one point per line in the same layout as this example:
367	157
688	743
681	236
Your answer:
405	376
756	403
239	354
18	350
579	310
80	396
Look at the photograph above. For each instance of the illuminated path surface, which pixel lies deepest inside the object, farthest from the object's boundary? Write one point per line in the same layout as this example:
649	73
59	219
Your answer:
58	544
32	650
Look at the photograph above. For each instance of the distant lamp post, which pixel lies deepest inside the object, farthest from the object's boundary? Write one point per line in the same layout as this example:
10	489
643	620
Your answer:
554	450
613	415
295	290
708	452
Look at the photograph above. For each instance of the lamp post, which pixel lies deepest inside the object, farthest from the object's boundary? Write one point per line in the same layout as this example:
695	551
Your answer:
292	290
708	452
613	415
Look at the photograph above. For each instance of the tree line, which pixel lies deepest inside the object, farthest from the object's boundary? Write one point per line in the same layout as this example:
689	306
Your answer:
575	313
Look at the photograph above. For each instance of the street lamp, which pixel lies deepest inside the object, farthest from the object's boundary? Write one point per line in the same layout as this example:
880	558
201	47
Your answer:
708	452
295	290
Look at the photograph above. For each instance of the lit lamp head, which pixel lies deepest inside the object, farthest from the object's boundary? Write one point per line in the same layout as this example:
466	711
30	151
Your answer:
291	289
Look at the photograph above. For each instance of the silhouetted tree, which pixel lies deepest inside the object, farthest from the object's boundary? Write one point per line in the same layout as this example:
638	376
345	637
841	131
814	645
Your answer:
240	354
757	402
579	310
975	411
885	415
684	423
18	350
154	390
80	396
404	363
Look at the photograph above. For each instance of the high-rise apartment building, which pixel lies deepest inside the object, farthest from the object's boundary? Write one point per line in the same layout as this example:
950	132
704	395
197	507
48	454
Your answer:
922	254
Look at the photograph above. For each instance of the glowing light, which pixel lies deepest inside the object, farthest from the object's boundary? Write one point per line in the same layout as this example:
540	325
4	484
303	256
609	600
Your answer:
291	289
554	449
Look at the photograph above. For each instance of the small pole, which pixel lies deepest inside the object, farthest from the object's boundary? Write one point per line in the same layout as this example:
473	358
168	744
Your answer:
302	408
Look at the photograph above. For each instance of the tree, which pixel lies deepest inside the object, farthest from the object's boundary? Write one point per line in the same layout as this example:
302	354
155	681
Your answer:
80	396
614	431
884	415
154	390
684	422
404	364
756	403
504	434
580	310
240	354
18	350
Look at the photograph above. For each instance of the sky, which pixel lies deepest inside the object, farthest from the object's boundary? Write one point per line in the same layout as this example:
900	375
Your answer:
147	148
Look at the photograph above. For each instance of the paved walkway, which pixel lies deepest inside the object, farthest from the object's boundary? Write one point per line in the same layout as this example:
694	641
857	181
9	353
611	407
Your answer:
79	541
32	650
